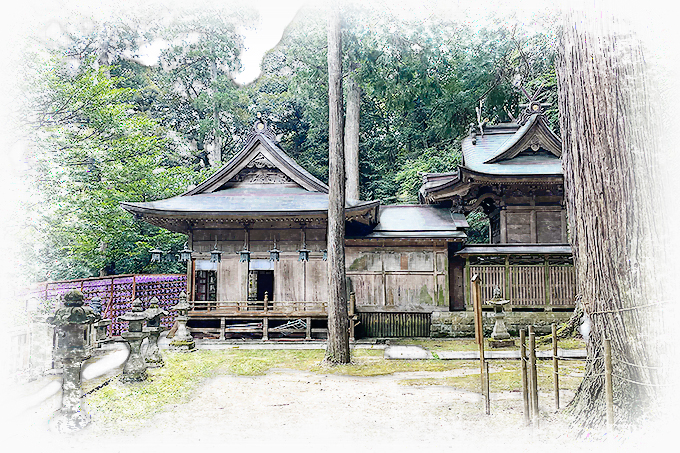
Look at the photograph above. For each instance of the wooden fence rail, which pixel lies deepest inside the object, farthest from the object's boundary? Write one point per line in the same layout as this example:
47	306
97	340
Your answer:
537	286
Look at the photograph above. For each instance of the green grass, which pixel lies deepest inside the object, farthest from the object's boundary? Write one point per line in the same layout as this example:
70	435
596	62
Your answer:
125	404
505	376
469	344
128	406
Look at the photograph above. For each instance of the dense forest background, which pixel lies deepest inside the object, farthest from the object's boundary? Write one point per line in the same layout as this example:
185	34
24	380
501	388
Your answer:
107	125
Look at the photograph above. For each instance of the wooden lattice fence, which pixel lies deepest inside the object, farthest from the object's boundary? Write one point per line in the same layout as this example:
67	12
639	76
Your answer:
117	293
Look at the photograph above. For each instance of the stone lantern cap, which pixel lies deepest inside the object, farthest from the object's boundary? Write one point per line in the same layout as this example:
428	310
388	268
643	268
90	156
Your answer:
154	311
182	305
497	298
73	311
137	314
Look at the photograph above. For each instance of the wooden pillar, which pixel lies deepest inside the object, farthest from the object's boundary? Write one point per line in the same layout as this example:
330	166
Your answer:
508	287
563	219
467	290
265	328
222	328
548	295
532	220
504	226
308	333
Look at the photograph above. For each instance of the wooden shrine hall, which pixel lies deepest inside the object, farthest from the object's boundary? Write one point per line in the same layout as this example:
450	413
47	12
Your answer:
513	173
265	217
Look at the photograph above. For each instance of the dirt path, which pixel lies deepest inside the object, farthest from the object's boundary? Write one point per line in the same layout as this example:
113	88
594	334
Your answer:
289	410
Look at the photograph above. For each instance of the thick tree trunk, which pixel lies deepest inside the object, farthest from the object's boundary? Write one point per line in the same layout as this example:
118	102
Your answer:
337	349
611	149
352	139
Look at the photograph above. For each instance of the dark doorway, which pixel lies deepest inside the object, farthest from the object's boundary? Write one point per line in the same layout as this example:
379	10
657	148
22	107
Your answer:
265	283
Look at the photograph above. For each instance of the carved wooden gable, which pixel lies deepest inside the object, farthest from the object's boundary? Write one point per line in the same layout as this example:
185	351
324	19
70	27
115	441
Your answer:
260	171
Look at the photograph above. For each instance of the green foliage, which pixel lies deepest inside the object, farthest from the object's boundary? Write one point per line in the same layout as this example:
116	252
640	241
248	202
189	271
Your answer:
107	129
95	151
478	233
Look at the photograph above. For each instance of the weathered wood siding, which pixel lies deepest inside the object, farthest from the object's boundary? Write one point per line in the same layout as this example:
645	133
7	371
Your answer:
519	227
528	224
397	278
549	226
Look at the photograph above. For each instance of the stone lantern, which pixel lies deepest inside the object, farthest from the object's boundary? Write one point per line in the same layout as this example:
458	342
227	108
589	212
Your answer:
182	341
135	366
152	356
101	326
72	323
500	338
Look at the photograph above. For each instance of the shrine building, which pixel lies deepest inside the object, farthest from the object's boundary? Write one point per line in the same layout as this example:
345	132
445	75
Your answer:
266	218
257	234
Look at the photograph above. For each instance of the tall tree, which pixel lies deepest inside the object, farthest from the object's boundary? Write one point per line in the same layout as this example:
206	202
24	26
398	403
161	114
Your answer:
611	145
351	144
337	349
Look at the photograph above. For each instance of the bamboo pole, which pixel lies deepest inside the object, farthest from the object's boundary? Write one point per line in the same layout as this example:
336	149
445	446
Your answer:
525	382
556	374
609	391
534	377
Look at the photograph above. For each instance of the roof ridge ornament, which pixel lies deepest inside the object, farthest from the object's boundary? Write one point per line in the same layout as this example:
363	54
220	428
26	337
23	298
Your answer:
260	127
533	106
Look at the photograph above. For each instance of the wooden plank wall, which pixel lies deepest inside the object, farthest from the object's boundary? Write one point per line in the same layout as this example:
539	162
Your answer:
399	278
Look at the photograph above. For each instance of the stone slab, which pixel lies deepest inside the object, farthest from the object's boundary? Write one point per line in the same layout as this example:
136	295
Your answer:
407	352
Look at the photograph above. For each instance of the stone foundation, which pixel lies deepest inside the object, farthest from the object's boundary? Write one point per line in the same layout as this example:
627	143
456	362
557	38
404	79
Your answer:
461	323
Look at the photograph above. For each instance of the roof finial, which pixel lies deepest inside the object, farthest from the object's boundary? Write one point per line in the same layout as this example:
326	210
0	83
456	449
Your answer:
533	106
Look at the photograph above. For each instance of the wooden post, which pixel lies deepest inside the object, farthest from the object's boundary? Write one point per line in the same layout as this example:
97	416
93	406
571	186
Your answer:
546	284
223	326
534	376
265	328
479	331
608	387
487	393
266	301
308	334
525	383
556	374
507	280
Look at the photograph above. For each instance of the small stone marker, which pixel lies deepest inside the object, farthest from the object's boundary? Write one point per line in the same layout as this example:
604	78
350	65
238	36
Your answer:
500	338
182	341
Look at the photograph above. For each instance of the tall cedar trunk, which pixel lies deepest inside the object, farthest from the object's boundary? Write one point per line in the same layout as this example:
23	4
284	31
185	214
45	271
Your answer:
611	149
352	138
337	349
216	152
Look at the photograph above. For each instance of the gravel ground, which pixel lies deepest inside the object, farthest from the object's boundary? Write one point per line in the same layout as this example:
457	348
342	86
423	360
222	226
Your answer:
287	410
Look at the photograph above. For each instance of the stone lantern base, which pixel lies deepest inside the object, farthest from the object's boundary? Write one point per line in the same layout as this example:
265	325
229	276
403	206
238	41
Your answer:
68	422
135	366
183	345
505	343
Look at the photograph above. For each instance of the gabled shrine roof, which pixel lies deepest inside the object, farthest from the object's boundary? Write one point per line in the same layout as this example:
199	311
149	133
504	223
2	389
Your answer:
505	151
260	151
261	181
508	149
